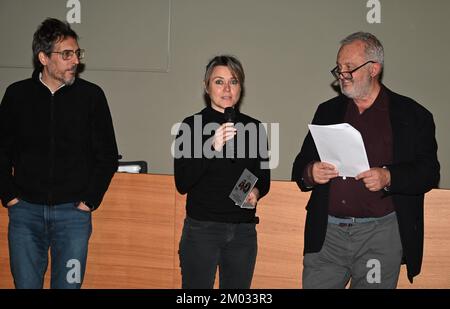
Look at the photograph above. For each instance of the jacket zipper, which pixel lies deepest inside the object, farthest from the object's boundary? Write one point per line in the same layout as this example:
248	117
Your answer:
52	149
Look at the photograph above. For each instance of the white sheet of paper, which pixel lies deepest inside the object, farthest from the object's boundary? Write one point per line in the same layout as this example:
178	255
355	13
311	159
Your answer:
342	145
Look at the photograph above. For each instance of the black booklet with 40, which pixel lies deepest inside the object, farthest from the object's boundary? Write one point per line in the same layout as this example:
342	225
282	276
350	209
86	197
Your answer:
242	189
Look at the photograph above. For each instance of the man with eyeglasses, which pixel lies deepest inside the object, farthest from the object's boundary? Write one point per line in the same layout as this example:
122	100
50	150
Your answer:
58	154
360	230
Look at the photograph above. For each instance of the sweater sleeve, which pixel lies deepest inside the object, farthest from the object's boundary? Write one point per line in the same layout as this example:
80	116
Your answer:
189	167
307	155
8	190
105	153
262	170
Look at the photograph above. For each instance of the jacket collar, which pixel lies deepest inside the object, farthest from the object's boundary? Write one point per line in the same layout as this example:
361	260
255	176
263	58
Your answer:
394	108
399	119
36	77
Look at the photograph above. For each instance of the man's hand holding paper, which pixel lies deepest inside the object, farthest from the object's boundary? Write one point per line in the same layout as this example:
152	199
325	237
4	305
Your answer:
375	179
323	172
342	146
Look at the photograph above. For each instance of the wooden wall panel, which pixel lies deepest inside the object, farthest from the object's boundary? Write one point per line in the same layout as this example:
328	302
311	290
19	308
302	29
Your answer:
137	230
280	237
180	214
132	242
5	274
436	260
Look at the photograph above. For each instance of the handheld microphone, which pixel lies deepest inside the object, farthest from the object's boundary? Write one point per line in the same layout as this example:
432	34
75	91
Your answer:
230	116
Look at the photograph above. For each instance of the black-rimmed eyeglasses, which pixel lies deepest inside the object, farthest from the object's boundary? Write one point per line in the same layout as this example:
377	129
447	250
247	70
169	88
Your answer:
347	74
67	54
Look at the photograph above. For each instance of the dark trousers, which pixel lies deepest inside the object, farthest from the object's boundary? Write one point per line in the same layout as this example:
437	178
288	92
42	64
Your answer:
206	245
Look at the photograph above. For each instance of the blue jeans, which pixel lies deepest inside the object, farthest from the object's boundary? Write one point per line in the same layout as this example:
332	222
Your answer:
33	229
205	245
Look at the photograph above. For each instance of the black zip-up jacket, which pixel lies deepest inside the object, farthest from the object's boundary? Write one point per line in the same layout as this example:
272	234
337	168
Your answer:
56	148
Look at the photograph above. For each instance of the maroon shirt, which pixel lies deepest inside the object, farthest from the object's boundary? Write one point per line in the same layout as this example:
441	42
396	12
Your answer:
350	198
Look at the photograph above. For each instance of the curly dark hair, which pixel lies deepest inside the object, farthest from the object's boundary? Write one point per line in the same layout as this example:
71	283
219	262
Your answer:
49	32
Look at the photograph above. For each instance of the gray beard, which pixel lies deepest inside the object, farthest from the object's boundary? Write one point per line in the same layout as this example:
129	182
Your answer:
69	82
357	93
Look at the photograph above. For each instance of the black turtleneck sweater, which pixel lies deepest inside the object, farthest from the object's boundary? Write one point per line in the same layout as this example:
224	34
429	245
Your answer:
208	181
